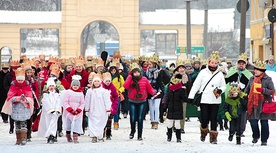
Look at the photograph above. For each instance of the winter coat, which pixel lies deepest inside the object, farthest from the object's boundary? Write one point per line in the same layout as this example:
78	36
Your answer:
208	96
3	92
119	84
8	79
228	108
84	77
267	85
157	84
269	68
145	88
74	100
174	102
113	97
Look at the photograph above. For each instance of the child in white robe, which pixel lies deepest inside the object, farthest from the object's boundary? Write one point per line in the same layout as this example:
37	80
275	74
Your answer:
98	107
51	110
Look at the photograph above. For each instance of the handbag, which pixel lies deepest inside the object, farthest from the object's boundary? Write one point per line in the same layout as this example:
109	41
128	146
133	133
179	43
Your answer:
269	108
122	97
198	95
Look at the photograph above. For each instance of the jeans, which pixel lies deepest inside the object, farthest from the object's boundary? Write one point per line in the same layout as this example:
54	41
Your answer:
154	109
116	116
256	131
209	113
136	112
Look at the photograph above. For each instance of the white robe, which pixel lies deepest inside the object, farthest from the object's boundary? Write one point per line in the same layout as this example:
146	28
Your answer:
97	102
48	121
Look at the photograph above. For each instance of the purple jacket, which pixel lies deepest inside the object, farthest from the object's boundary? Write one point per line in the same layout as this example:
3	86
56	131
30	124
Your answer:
113	96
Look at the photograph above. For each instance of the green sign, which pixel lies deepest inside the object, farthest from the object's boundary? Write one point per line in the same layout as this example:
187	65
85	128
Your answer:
197	49
194	49
180	49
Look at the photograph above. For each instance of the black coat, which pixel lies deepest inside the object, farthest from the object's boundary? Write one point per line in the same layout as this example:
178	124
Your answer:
174	103
3	92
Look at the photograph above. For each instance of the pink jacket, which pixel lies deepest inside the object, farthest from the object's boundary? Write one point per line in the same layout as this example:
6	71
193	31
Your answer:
113	96
145	88
75	100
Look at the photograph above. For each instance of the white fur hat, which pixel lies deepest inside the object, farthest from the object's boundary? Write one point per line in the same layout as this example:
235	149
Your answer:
51	81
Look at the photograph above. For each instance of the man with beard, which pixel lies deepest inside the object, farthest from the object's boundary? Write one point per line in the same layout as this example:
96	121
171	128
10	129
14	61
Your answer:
241	75
211	96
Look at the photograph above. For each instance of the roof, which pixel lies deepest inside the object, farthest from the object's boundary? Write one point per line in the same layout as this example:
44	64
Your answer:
218	19
30	17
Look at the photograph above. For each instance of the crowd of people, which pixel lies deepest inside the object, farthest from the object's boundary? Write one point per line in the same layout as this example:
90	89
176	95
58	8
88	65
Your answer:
86	94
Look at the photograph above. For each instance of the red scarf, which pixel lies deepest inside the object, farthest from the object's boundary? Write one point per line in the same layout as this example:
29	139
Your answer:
79	90
254	98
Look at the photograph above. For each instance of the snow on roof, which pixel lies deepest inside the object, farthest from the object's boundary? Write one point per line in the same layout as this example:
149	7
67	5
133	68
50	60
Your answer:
218	19
30	17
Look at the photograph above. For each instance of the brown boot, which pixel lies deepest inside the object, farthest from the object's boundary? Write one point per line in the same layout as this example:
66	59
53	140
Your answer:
69	138
116	125
155	125
18	138
203	132
23	135
75	138
213	137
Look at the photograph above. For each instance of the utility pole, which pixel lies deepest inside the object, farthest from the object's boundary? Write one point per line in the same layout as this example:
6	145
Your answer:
272	33
205	41
188	28
242	26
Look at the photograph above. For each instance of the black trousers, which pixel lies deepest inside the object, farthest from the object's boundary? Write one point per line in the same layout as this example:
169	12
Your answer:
208	113
235	126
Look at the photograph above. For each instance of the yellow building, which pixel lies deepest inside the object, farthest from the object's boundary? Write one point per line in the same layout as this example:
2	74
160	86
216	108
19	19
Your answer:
77	14
260	30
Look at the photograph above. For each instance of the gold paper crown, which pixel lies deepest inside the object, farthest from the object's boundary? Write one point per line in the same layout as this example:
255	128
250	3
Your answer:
100	62
19	72
214	56
175	80
36	59
115	62
222	69
68	62
81	57
260	65
271	57
134	60
55	70
53	59
93	75
204	62
89	64
23	57
179	62
143	58
106	75
197	59
89	58
228	61
15	63
78	62
234	88
5	65
41	56
243	57
154	58
133	66
188	61
43	64
26	65
116	54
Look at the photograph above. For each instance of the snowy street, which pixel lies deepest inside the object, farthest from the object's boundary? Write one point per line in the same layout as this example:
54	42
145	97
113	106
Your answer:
153	141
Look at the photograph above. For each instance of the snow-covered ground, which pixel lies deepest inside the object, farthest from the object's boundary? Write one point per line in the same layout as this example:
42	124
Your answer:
153	141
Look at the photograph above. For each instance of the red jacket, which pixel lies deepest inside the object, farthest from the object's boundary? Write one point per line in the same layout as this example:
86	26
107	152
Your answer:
113	96
84	77
145	88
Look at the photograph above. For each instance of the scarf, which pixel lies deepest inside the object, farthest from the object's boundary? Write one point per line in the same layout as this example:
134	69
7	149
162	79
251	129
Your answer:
174	87
235	104
152	74
254	98
145	68
136	86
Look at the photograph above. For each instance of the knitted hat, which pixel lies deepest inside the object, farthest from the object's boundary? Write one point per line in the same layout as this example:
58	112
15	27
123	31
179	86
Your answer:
75	80
51	81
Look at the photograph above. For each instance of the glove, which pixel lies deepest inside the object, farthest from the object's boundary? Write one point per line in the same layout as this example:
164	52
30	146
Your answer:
219	91
111	116
78	111
228	116
260	90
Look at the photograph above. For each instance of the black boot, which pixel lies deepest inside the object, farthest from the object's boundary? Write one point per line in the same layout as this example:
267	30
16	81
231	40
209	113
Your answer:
131	135
230	138
255	140
221	126
169	134
139	136
238	138
108	134
178	135
50	139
